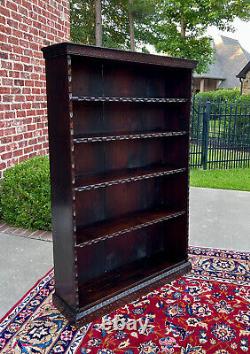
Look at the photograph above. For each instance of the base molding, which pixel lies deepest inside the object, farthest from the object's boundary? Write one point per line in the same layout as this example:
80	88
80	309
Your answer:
87	314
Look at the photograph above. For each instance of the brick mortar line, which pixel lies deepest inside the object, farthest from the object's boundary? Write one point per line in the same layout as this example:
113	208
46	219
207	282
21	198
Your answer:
54	31
27	16
14	135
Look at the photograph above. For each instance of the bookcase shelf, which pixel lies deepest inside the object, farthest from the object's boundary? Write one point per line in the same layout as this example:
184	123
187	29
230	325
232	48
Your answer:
129	99
118	140
128	278
149	135
122	226
123	176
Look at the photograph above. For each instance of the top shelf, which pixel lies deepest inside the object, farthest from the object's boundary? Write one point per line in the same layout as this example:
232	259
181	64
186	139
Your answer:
128	99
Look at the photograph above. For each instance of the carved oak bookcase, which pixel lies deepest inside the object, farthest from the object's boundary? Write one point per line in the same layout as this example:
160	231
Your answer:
118	138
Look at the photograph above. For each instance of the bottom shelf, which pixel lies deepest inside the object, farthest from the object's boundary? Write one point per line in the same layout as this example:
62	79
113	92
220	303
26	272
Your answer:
116	288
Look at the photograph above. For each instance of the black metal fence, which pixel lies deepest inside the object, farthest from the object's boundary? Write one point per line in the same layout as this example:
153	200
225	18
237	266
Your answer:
220	134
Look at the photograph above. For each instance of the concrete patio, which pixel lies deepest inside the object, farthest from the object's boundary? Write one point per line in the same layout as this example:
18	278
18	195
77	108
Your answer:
218	219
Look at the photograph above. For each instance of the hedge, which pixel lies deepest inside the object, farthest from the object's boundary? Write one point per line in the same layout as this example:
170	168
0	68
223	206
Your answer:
223	95
25	195
231	107
220	94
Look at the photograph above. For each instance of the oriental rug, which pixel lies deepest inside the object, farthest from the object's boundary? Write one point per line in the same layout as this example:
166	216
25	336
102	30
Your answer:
206	311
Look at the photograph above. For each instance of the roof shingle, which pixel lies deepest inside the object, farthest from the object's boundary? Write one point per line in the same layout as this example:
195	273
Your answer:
229	58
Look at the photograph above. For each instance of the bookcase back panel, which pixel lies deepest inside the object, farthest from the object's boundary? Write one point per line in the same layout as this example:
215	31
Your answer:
113	253
142	81
111	265
116	201
120	200
132	81
99	158
100	77
86	77
97	117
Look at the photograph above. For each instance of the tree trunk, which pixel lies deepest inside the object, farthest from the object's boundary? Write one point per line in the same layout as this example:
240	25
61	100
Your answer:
183	28
98	23
131	26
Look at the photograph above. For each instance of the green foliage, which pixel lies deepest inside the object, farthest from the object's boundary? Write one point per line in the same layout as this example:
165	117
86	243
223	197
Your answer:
181	27
220	94
82	21
115	22
25	194
223	95
175	27
244	99
145	15
229	117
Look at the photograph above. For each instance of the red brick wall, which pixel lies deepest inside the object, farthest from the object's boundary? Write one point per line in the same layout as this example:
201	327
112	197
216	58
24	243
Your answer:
25	27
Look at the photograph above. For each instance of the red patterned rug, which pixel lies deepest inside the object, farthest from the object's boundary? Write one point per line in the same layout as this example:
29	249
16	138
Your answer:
206	311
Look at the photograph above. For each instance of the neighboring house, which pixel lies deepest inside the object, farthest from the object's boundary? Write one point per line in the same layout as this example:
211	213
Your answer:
229	58
26	27
244	76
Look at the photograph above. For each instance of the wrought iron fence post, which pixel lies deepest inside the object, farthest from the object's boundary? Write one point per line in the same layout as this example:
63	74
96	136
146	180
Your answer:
205	133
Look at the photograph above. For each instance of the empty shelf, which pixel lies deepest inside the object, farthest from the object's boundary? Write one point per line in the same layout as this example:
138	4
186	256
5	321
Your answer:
102	231
129	99
135	136
124	176
117	284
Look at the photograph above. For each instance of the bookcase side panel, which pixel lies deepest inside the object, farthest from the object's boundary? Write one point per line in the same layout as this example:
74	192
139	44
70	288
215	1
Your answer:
183	241
61	178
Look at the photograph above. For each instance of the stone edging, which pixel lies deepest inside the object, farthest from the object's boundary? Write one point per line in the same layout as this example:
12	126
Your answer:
16	231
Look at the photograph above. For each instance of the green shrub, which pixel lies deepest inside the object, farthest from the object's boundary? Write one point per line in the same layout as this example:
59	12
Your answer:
245	99
25	194
226	96
228	107
220	94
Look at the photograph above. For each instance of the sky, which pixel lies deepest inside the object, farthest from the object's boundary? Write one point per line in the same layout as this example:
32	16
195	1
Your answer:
242	33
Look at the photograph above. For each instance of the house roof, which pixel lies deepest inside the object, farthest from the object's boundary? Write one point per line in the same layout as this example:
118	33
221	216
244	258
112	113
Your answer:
214	71
244	71
229	58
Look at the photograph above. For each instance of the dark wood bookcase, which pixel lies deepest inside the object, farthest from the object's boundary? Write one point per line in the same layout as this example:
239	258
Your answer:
118	138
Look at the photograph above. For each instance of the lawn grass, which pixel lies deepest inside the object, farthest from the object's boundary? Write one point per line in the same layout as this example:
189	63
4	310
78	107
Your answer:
238	179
